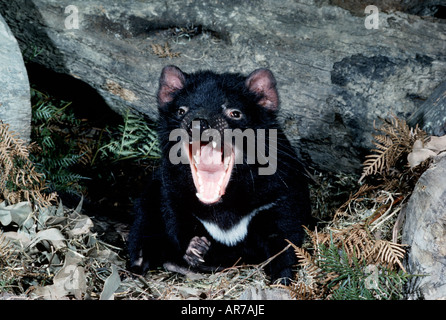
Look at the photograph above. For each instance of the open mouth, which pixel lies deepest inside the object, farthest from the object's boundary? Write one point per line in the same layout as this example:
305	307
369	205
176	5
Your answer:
211	169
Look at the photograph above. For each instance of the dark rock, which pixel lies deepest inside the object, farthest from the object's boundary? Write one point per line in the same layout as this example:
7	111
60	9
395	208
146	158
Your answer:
431	115
335	76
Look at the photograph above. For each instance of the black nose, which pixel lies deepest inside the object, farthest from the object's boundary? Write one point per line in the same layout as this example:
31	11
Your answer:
199	124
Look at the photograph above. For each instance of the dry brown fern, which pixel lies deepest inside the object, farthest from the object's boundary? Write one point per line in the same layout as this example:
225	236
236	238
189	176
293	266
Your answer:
396	139
5	249
7	258
302	291
19	181
389	253
305	260
341	253
358	243
308	288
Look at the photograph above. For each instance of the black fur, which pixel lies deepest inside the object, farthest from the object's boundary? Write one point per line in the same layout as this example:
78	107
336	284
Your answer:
167	226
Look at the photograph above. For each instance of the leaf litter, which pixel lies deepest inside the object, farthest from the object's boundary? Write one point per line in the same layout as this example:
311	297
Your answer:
54	254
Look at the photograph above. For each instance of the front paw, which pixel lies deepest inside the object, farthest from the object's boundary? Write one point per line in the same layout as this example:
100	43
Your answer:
138	264
196	250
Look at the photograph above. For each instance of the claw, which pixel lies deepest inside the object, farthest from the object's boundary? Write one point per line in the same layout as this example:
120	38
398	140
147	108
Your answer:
196	250
197	253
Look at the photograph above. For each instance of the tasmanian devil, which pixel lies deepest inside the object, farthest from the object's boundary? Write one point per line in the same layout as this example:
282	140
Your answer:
230	187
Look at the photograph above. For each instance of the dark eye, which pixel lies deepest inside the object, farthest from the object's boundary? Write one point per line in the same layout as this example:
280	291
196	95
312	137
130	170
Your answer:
235	114
182	110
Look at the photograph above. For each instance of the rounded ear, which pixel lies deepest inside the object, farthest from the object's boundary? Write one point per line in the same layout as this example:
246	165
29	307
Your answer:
262	83
172	79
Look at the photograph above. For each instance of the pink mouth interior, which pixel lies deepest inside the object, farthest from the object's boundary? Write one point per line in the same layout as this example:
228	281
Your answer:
210	171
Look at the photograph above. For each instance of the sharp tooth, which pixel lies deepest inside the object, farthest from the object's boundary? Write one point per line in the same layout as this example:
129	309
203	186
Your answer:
214	144
197	158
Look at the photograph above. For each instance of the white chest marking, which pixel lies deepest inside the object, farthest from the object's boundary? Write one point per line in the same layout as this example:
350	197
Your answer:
237	232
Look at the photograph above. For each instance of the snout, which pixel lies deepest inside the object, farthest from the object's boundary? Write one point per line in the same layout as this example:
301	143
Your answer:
203	123
199	125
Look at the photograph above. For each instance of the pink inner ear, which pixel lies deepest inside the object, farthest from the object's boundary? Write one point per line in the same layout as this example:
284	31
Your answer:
172	79
263	83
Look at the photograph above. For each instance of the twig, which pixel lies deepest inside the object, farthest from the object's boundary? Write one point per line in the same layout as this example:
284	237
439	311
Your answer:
385	219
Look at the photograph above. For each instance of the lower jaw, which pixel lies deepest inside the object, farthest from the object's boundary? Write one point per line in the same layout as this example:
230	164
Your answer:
208	201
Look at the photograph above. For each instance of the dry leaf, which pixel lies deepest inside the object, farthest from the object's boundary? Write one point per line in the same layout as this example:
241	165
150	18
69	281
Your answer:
18	213
18	239
111	284
419	154
82	226
422	152
70	280
52	235
436	144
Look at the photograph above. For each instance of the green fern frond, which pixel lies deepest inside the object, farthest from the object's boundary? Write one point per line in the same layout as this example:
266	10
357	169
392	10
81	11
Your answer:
43	112
53	122
350	279
135	140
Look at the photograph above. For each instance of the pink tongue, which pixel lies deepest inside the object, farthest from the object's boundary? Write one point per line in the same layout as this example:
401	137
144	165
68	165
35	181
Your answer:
210	158
211	170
